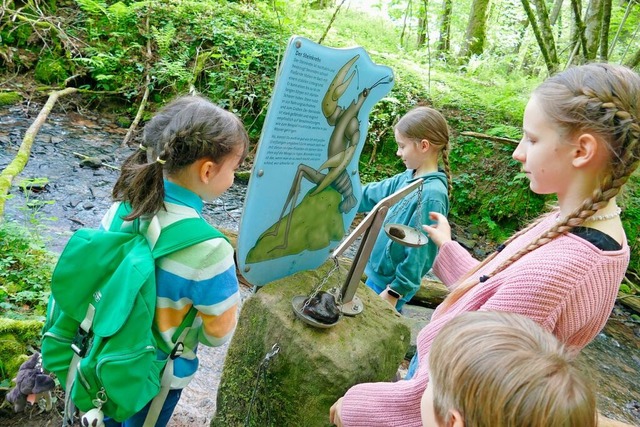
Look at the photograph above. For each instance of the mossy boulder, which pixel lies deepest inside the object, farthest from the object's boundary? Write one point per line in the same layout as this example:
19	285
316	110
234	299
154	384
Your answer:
9	98
50	71
314	367
16	336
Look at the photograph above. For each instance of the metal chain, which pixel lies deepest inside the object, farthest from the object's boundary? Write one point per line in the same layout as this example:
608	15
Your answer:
319	287
419	208
262	373
419	215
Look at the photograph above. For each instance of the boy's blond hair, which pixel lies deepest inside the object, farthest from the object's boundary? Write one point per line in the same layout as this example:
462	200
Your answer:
502	369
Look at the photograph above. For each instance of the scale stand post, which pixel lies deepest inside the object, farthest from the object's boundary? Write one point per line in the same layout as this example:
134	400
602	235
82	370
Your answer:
369	228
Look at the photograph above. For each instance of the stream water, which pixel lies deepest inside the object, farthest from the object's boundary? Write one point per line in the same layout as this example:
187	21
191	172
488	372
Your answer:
77	196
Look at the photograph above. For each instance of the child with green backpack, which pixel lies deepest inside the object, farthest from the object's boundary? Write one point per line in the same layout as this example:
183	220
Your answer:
193	149
189	153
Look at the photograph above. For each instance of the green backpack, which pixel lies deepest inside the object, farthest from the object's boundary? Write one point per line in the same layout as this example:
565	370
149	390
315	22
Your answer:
98	337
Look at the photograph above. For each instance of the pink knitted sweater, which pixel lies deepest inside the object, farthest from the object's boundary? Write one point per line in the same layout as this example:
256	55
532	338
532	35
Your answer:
568	286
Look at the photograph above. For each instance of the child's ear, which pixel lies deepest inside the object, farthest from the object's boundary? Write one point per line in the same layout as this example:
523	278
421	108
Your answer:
455	418
208	170
425	144
586	150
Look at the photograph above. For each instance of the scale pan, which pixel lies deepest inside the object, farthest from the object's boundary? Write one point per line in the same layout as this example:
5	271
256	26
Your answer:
298	303
405	235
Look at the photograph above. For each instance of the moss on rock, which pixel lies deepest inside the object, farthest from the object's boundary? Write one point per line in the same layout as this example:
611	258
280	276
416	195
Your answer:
50	70
314	367
16	336
9	98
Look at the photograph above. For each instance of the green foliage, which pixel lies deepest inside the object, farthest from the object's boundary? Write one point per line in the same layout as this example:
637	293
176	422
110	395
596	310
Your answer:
230	52
9	98
33	205
16	35
25	273
50	70
630	202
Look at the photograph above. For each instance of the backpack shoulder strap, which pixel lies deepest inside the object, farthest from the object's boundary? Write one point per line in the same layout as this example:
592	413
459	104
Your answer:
182	234
179	235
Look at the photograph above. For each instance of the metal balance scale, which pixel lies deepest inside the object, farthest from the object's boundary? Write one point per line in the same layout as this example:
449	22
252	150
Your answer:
346	301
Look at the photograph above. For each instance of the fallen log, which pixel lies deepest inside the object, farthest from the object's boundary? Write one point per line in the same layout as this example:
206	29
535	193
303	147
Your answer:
490	137
22	157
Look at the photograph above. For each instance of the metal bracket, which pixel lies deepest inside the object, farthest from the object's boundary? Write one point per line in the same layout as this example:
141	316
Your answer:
369	228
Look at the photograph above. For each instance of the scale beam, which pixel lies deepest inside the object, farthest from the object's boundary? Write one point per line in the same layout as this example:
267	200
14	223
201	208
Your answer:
369	228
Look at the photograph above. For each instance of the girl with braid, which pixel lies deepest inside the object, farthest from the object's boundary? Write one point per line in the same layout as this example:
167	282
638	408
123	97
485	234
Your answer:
189	153
581	142
395	271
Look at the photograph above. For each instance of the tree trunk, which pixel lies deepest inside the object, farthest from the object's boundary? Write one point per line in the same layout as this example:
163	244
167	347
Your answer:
543	37
578	38
333	18
555	12
423	25
593	27
476	29
445	27
604	32
634	61
547	34
407	12
422	31
624	20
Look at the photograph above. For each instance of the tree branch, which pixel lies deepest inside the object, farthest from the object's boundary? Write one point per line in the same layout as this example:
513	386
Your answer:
22	157
490	137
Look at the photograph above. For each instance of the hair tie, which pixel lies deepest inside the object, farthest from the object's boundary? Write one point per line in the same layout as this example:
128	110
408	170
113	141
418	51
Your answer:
484	279
159	160
142	147
500	247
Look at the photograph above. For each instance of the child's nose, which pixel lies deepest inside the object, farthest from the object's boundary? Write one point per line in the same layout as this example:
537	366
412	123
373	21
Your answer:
518	153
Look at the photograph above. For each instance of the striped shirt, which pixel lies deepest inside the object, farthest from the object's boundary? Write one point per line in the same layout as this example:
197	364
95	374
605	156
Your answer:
202	275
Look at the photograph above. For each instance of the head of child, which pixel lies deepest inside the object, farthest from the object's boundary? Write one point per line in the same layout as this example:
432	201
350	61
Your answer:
503	370
591	111
421	134
190	142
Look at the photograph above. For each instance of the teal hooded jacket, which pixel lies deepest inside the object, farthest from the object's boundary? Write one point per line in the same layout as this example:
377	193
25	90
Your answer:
402	267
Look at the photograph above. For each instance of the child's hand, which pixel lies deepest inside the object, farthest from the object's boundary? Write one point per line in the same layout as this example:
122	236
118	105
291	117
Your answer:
440	232
334	413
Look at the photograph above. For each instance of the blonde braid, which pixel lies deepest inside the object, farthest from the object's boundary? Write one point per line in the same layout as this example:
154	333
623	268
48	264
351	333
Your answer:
469	280
447	168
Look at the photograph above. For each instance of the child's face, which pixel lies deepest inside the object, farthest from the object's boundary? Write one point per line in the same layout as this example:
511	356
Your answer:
545	157
409	151
223	176
426	408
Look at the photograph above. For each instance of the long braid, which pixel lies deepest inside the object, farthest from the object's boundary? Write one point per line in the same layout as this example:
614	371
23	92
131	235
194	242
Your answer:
447	169
598	98
469	280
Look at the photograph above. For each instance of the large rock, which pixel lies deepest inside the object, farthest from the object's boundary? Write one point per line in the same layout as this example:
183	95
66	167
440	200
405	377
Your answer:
314	367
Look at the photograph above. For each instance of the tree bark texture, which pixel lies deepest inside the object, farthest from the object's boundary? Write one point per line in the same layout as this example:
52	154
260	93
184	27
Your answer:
604	32
593	27
578	37
547	34
476	29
